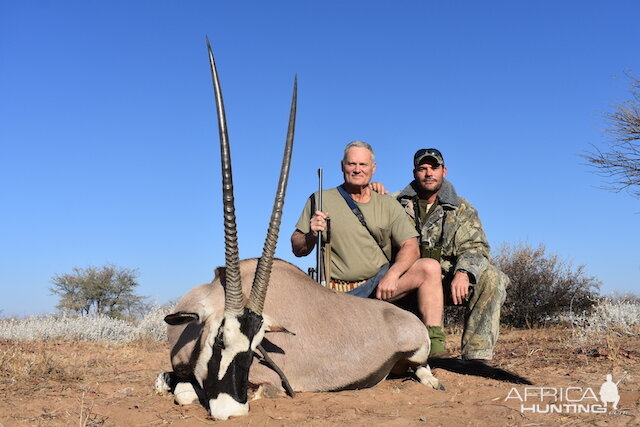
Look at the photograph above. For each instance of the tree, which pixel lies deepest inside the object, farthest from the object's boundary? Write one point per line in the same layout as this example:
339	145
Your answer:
619	163
542	286
108	290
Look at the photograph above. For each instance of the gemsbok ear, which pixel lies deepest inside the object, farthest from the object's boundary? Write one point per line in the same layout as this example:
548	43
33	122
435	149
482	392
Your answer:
181	318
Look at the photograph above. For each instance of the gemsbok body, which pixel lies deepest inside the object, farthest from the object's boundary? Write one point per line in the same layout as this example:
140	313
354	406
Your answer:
319	339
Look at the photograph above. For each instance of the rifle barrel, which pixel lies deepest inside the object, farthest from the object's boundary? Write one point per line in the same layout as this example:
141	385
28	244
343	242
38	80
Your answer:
319	266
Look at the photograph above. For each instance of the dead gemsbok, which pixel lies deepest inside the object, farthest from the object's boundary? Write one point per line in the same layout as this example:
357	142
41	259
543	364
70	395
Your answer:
320	339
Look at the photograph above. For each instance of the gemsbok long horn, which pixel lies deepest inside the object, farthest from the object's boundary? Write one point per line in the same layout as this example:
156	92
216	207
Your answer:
233	299
233	291
263	270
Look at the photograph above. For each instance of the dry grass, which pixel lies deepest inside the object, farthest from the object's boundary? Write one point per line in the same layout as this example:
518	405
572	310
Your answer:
67	362
37	360
57	382
91	328
60	383
69	382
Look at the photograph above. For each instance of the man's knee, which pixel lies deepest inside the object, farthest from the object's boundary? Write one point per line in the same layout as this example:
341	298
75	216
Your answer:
428	267
493	283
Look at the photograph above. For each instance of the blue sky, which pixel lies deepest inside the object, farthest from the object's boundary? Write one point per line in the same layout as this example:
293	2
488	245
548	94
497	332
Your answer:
109	139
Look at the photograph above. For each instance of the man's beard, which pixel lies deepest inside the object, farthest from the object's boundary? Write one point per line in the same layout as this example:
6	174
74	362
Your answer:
427	192
436	185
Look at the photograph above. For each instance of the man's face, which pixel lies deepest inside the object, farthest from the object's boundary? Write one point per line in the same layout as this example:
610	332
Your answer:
429	175
358	167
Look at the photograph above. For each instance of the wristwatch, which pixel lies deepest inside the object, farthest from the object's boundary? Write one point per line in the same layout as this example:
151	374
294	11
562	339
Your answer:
462	270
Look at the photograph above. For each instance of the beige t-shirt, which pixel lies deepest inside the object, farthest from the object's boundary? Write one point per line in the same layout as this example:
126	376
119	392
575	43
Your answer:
354	254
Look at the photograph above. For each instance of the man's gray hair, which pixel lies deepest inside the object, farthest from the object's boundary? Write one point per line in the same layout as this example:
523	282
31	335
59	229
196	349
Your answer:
361	144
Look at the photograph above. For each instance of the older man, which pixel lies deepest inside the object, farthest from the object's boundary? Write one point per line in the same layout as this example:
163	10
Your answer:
374	250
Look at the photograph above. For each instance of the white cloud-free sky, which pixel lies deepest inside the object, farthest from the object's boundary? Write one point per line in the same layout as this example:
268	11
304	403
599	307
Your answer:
109	139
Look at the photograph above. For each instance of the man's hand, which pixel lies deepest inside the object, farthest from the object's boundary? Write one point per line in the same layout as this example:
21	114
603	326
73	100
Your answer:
460	287
408	253
303	243
378	187
388	286
318	222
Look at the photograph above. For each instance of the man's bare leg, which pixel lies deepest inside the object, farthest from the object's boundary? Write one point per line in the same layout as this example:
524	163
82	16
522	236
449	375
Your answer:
426	278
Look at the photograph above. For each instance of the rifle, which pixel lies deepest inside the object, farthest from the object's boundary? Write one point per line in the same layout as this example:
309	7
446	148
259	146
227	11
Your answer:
319	259
623	377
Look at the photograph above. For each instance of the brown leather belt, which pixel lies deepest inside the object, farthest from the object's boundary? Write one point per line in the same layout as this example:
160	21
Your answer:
343	285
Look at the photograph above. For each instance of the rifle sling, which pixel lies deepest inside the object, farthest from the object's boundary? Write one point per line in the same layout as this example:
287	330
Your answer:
358	213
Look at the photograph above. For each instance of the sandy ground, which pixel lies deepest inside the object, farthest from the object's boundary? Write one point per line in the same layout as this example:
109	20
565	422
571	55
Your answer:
92	384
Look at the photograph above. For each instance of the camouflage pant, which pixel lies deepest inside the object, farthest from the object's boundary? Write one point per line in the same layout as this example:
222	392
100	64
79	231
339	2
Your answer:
482	316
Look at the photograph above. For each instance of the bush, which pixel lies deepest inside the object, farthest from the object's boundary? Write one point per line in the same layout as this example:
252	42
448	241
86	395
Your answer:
623	297
620	316
610	319
542	286
86	328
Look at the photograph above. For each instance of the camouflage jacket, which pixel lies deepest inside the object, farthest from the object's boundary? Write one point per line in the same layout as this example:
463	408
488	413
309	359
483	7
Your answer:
464	243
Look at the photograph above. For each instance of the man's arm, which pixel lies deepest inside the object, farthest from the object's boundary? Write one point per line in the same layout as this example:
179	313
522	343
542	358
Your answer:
473	252
302	244
470	243
408	253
